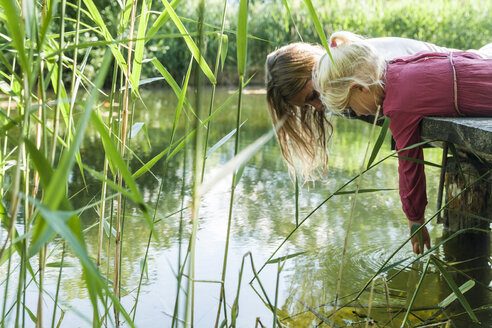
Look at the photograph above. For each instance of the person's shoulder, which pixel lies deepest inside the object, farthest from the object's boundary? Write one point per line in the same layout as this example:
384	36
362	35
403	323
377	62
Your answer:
393	47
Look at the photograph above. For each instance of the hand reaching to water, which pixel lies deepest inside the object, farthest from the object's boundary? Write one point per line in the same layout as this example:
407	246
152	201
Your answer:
425	237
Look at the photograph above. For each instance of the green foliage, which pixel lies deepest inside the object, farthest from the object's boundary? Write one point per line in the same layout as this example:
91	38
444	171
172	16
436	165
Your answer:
155	41
454	24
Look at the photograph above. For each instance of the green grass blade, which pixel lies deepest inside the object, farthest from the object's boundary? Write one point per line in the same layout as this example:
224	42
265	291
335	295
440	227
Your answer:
110	183
242	37
146	167
53	193
16	29
223	49
379	141
163	17
317	24
457	292
97	18
222	141
286	5
361	191
413	229
171	81
32	316
120	164
74	238
140	42
414	296
411	159
318	27
189	42
181	100
452	297
284	258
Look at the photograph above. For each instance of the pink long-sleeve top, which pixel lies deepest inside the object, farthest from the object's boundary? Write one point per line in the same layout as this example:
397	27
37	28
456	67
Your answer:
423	85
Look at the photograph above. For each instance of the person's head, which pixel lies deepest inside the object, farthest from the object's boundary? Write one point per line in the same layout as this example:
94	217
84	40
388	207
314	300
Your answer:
291	97
353	79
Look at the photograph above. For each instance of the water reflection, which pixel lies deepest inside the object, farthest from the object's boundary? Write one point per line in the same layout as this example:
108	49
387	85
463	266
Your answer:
264	214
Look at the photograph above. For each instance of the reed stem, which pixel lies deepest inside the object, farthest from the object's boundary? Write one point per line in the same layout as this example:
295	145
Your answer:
123	134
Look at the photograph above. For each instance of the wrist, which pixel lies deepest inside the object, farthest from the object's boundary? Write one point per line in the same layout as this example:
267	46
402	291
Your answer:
419	221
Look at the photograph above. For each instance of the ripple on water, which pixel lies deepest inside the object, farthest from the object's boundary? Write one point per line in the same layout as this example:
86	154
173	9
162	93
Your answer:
360	263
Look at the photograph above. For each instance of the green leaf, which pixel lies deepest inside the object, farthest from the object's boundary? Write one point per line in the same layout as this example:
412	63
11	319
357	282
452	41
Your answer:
140	42
97	18
135	129
239	174
286	5
361	191
16	29
121	166
147	166
457	292
189	42
54	195
222	141
163	17
242	37
284	258
452	297
31	315
170	80
144	267
379	141
223	49
411	159
107	228
392	266
59	264
317	25
414	296
181	99
414	228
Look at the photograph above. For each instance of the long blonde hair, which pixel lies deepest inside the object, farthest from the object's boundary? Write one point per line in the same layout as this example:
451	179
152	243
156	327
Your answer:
355	62
303	135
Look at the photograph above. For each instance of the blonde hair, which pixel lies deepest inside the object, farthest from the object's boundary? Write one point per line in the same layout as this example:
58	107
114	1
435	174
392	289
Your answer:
355	62
304	133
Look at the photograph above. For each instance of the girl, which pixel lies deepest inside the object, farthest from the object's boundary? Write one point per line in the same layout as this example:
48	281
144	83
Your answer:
408	88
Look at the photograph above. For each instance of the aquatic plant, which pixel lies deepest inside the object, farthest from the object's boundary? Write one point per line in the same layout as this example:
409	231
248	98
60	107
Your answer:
74	70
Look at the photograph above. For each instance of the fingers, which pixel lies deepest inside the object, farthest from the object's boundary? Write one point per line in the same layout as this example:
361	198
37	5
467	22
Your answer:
416	246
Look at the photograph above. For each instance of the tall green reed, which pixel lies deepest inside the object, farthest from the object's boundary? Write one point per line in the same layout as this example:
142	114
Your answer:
242	42
41	60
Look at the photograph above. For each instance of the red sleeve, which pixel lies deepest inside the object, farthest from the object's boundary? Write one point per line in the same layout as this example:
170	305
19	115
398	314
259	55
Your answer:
406	132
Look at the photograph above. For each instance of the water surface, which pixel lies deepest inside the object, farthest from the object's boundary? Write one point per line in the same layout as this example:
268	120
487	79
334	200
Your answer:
263	216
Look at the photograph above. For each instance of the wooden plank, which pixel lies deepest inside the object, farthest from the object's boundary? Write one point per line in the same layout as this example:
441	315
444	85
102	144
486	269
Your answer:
470	134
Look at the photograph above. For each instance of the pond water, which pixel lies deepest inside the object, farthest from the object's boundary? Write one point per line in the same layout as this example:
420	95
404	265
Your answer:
264	214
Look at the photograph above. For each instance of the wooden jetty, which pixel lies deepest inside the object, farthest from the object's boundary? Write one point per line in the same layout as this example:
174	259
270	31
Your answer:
466	175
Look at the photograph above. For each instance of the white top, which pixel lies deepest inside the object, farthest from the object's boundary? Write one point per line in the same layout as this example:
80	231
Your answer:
393	47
